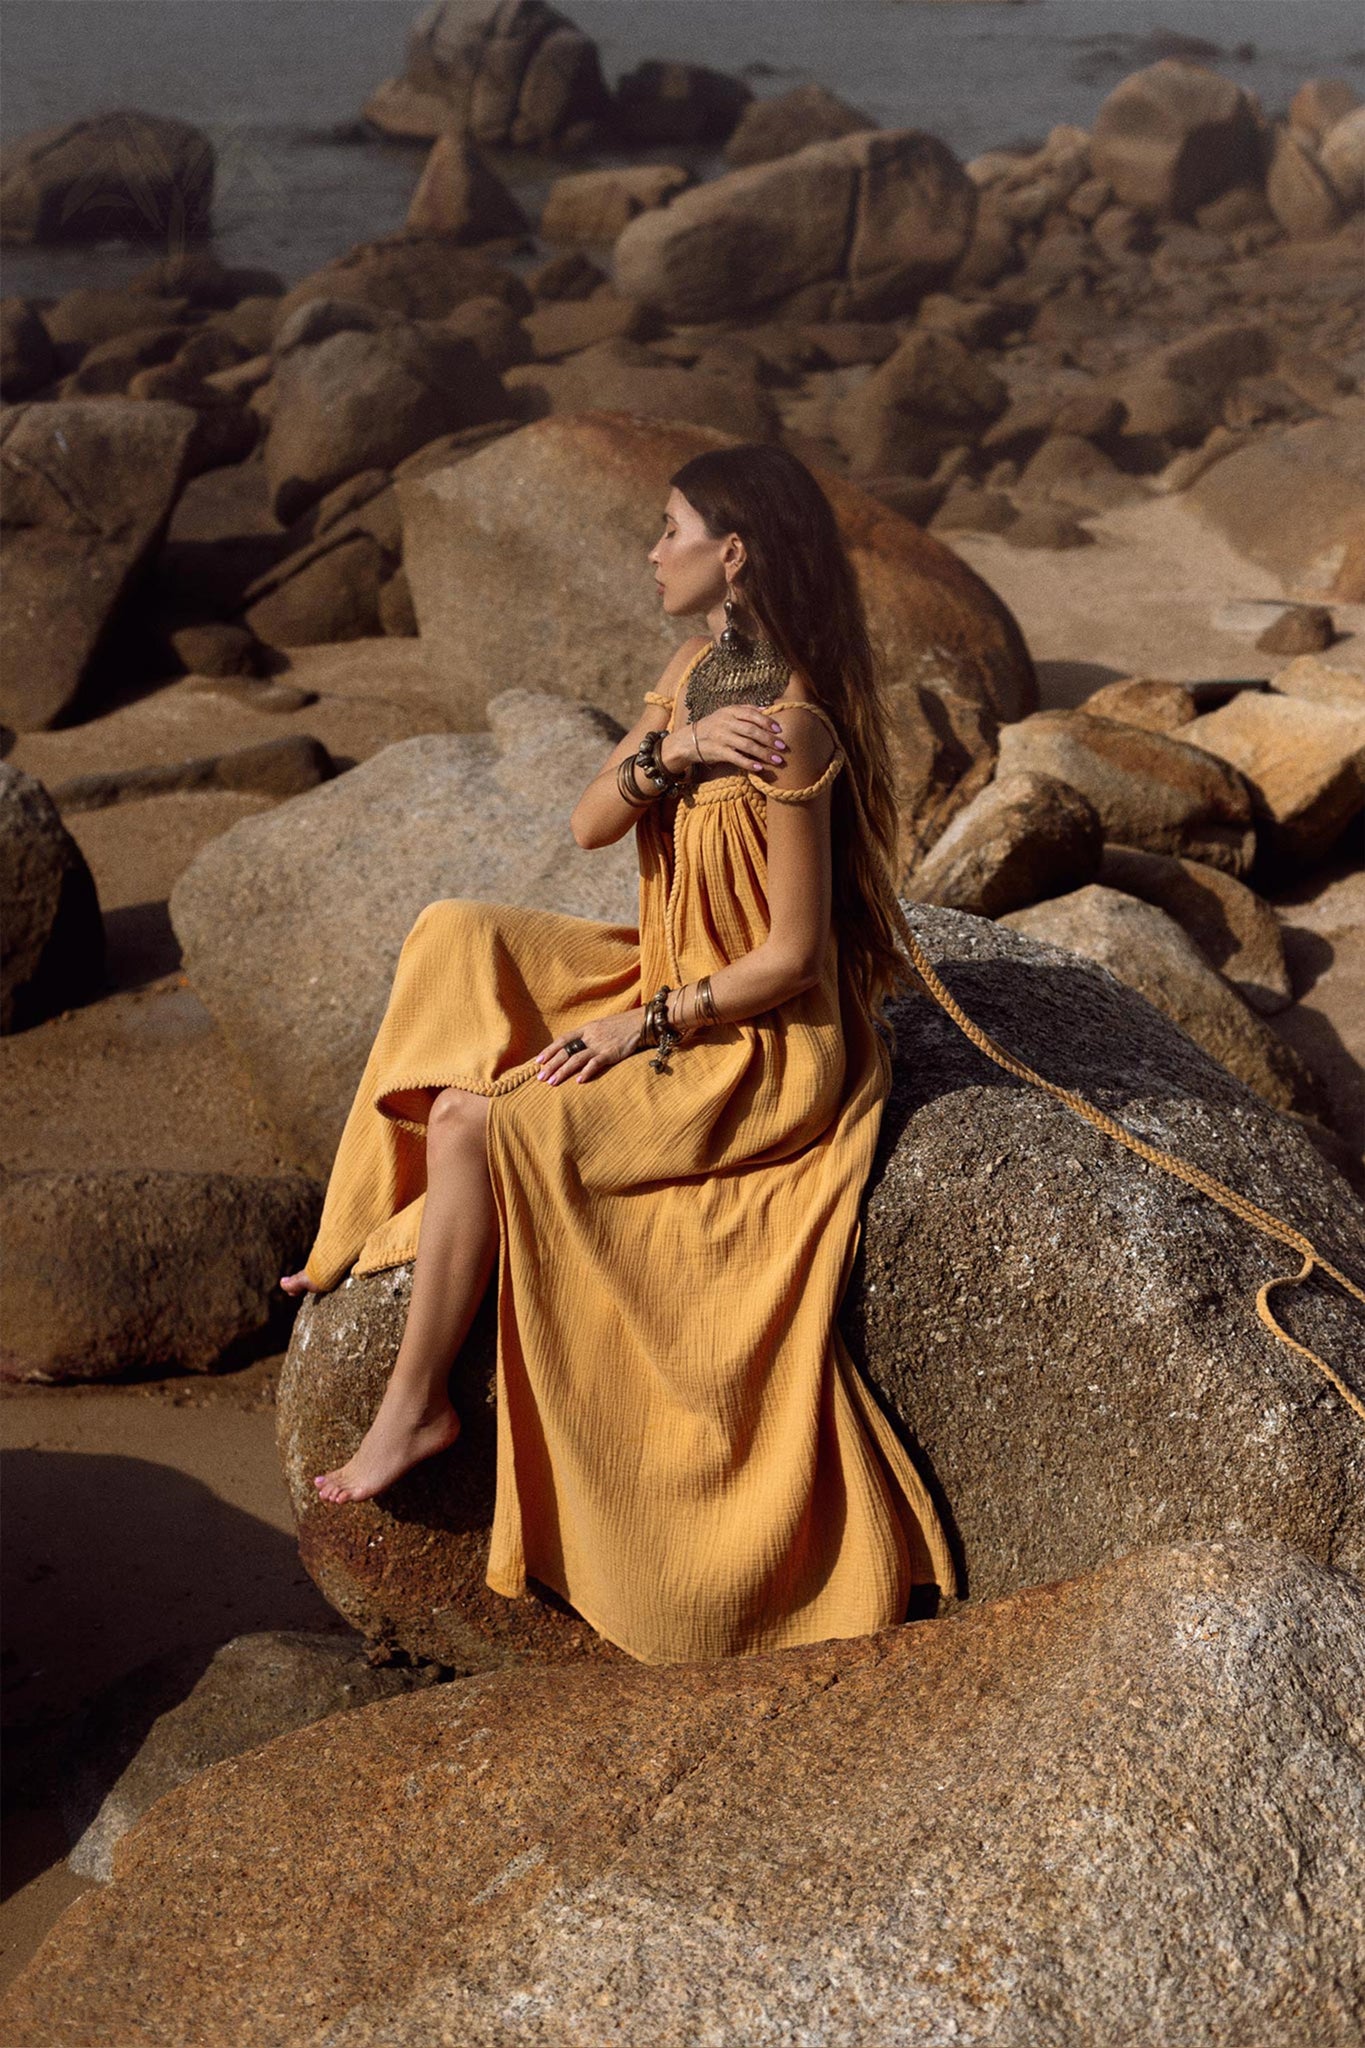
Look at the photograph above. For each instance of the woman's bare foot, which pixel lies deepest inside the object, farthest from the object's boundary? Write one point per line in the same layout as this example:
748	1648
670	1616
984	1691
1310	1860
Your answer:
398	1438
298	1283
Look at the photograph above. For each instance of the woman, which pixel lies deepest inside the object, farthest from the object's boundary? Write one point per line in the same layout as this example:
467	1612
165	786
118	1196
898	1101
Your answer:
664	1135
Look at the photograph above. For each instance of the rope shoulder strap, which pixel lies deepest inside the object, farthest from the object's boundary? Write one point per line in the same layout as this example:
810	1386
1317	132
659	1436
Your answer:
1168	1162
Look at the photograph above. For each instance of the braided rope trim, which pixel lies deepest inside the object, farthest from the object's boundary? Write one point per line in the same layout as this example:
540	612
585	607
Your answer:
1168	1162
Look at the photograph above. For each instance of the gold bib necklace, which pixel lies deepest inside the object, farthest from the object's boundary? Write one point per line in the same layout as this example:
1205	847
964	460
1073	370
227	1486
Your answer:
753	673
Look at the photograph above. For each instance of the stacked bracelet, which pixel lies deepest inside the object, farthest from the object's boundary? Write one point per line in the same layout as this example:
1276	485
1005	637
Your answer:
656	1029
629	788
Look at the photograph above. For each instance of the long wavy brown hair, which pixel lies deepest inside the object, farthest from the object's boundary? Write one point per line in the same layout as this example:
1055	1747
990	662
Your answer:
800	586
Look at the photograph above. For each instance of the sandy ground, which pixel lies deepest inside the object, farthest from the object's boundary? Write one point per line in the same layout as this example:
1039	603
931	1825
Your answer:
148	1516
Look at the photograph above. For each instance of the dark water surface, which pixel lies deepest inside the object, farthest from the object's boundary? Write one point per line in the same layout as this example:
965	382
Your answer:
269	80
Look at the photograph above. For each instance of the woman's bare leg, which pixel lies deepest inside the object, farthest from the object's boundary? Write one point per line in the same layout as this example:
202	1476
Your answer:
456	1248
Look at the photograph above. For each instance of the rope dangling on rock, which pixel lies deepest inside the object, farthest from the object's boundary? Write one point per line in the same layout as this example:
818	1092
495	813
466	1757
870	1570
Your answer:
1181	1169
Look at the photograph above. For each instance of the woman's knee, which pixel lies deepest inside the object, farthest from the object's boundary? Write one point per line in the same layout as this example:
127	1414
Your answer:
457	1117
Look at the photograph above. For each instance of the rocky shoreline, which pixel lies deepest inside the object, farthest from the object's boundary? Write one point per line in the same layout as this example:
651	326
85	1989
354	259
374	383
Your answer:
312	588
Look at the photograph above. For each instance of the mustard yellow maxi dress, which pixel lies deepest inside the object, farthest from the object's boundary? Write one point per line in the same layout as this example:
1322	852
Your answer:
685	1451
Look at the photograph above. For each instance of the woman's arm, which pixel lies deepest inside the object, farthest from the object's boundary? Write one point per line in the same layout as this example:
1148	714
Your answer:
600	817
800	888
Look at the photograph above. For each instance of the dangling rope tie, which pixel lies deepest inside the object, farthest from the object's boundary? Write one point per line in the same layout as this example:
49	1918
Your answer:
1181	1169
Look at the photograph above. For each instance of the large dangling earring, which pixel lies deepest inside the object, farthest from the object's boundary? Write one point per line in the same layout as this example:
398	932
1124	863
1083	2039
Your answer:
731	639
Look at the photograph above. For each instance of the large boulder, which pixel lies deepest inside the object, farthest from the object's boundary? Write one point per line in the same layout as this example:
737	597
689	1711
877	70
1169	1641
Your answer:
943	749
1292	499
873	219
1173	137
89	486
164	1722
777	127
117	1271
291	927
596	206
1163	1758
1303	762
460	196
512	519
1342	156
1301	196
1024	837
27	357
53	955
1120	1388
609	378
357	389
518	76
1148	951
129	174
1150	789
420	276
930	395
1234	929
667	102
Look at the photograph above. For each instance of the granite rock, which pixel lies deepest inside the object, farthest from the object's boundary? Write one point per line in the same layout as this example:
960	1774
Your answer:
1163	1759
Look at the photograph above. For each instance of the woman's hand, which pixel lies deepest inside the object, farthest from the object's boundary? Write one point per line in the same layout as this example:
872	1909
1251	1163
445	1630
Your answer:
741	734
607	1040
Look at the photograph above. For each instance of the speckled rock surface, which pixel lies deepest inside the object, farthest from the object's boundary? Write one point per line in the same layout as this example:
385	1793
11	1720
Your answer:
1130	1807
146	1269
291	922
170	1719
1067	1336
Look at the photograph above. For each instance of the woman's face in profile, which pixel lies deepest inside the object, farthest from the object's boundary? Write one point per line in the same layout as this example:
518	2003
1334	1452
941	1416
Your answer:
688	563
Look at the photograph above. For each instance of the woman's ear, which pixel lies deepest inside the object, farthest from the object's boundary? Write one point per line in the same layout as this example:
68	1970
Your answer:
735	555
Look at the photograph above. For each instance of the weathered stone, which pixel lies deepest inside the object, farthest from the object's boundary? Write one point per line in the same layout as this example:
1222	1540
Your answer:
405	112
1147	701
460	197
512	518
27	357
396	614
520	76
1302	197
327	592
97	1266
929	395
662	102
53	955
599	377
1342	156
1174	136
595	206
1317	682
1023	838
878	217
969	509
573	275
1235	931
1303	762
1320	103
132	174
258	910
942	753
1073	471
363	390
790	121
1047	526
711	1846
566	326
169	1720
496	332
1150	952
88	488
421	277
1292	499
278	768
1299	629
1150	789
216	650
